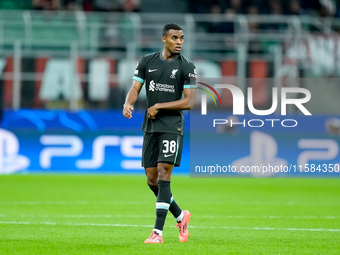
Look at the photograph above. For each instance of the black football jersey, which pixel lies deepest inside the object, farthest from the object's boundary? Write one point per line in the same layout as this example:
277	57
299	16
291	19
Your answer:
164	81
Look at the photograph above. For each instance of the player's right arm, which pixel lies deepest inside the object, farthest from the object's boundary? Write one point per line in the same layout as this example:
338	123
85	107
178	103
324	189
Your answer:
138	81
131	98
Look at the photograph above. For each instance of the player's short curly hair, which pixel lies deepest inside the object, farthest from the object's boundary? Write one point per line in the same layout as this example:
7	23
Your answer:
169	26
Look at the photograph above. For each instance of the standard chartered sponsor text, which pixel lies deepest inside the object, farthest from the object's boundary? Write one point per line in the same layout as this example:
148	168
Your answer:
165	87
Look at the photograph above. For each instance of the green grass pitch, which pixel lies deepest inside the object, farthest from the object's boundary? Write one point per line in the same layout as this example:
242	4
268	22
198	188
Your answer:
113	214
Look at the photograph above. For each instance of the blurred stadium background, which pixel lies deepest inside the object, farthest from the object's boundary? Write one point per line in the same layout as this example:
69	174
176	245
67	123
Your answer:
66	66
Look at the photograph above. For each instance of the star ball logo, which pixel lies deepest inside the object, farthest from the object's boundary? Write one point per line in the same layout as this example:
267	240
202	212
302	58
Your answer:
239	105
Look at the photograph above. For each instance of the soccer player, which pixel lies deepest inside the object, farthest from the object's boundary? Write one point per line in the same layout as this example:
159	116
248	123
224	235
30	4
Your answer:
167	75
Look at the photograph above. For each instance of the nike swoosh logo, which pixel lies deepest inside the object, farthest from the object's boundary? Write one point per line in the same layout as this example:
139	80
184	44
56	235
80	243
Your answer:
152	70
185	227
165	155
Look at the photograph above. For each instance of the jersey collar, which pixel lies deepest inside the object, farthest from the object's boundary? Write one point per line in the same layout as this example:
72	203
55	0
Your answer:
167	61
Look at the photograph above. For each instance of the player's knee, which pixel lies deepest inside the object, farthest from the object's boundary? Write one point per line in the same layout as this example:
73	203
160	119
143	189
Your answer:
164	175
151	181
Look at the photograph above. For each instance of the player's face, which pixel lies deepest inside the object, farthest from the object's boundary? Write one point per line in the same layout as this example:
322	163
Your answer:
173	41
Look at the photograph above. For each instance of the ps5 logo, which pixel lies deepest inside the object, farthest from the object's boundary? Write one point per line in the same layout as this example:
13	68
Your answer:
59	146
10	160
264	151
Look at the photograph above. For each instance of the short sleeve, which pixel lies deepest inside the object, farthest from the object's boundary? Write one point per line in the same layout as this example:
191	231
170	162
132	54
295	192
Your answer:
189	76
139	74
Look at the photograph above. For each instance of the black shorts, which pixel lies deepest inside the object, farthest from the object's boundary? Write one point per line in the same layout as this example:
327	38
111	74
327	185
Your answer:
162	147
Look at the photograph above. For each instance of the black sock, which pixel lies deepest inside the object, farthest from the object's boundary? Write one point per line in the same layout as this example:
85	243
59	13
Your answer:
174	208
154	189
163	203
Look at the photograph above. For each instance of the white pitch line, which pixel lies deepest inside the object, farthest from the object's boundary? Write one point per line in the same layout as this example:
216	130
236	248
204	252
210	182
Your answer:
307	217
150	226
255	203
70	202
270	217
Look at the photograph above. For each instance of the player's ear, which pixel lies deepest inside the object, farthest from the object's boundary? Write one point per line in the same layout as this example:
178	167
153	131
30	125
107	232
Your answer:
163	39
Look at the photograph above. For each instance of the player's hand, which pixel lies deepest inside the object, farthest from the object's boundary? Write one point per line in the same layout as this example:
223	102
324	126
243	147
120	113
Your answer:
152	111
127	111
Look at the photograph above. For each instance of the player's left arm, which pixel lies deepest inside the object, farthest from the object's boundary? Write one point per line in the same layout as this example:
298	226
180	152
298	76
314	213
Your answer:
185	103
